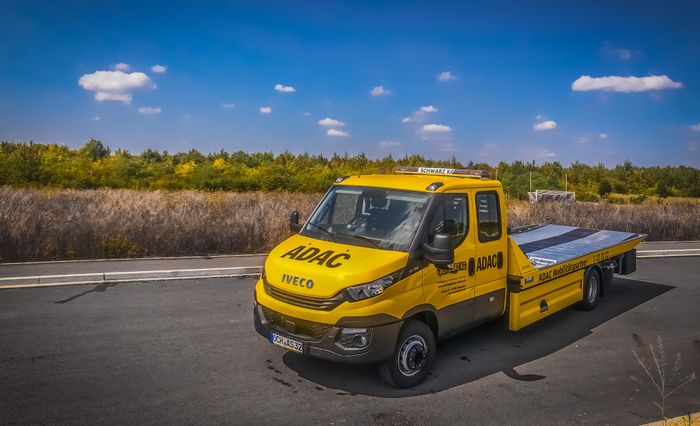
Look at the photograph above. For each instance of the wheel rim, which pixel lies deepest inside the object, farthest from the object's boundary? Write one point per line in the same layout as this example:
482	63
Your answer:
412	356
592	288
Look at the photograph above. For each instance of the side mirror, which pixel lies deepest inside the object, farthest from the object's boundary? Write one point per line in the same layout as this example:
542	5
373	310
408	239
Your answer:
440	252
294	224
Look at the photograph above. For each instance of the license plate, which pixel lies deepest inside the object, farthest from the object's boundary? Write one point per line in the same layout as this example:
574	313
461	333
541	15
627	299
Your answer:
287	343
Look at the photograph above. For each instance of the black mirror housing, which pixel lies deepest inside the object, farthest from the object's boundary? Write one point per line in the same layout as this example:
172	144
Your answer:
440	252
294	225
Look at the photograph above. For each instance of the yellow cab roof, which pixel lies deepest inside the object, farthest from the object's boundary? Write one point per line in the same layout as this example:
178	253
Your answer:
419	181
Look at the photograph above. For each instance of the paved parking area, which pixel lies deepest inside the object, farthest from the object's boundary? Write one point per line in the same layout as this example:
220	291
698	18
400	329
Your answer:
186	352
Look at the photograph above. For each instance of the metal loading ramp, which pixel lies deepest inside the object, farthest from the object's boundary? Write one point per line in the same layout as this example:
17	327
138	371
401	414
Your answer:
548	245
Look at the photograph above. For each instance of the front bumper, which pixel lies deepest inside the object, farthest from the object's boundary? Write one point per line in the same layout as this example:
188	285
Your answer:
321	340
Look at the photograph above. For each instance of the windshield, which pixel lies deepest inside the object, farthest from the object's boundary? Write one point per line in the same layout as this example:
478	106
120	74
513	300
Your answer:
369	217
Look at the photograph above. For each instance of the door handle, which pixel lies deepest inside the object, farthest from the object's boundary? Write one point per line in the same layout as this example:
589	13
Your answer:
472	266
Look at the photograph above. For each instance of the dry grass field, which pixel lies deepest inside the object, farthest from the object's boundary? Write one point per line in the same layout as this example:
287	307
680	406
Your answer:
78	224
669	220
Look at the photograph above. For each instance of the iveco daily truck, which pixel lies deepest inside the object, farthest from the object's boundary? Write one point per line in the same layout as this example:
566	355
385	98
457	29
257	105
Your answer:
387	264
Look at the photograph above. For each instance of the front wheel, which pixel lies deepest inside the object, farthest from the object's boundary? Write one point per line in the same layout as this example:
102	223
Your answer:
591	289
414	354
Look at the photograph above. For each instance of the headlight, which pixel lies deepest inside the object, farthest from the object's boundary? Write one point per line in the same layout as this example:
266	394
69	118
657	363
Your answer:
374	288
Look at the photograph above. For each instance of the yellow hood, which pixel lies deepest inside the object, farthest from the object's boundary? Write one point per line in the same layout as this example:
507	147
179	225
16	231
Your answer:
318	268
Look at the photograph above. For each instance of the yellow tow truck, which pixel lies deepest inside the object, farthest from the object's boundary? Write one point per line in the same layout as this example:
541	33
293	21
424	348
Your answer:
387	264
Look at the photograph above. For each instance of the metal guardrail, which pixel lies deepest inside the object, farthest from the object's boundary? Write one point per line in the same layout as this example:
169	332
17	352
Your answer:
127	276
652	254
202	273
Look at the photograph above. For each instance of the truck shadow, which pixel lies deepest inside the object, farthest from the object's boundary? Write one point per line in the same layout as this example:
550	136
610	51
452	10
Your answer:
485	350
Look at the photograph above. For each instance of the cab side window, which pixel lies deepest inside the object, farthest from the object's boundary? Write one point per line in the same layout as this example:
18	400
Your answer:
489	216
450	218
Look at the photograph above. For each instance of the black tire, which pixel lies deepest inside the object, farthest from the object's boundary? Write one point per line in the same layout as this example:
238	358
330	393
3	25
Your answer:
592	287
413	356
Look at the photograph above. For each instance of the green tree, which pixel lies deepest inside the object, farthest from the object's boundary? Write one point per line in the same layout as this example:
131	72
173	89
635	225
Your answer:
95	150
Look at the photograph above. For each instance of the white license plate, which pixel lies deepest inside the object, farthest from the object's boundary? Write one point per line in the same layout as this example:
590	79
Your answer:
287	343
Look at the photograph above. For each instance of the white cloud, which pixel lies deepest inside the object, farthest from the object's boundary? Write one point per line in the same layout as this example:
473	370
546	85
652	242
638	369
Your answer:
389	143
159	69
228	105
406	120
623	54
545	125
114	85
624	84
536	153
695	127
306	114
337	133
149	110
96	118
446	76
379	91
284	89
119	97
428	108
265	110
602	135
331	122
436	128
544	153
121	66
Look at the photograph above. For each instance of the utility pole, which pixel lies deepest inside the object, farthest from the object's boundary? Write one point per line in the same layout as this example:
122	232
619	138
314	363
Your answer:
530	181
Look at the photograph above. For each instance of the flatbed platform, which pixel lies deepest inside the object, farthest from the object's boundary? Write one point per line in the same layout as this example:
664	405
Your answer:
549	245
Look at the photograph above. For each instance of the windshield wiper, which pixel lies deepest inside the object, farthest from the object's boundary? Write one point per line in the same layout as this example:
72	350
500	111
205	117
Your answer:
329	233
360	237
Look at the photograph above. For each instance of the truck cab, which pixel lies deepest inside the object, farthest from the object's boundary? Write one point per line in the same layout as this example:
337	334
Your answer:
386	265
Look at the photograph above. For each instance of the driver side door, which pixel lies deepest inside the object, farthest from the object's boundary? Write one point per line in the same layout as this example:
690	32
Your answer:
451	289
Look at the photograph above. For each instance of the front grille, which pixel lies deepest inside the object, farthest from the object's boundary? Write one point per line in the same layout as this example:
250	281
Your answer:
310	329
305	301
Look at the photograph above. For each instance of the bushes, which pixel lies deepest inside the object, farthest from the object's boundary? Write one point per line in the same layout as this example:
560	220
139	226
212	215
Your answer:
97	166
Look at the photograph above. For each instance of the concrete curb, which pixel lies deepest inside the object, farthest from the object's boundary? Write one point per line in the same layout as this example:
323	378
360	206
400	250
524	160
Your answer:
128	276
689	419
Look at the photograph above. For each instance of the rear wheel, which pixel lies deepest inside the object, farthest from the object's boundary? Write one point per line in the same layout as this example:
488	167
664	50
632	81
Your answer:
592	285
414	354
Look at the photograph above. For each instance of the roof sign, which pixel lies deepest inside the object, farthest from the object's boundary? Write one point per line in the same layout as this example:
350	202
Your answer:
442	171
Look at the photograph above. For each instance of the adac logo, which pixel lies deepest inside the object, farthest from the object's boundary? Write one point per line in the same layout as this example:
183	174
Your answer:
490	261
328	258
297	281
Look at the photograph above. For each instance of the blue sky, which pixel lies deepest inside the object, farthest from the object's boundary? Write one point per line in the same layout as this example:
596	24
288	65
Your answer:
516	88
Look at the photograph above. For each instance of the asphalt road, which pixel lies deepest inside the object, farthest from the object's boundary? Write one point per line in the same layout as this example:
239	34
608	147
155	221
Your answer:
186	352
